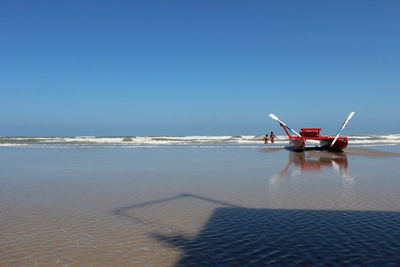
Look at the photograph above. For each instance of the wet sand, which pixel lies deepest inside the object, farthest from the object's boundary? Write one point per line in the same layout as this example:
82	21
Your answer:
199	207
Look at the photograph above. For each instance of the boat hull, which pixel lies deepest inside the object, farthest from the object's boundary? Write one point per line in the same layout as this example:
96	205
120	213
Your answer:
298	144
340	144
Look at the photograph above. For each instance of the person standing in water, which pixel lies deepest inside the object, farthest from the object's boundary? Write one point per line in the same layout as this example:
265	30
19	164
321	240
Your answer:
266	138
272	137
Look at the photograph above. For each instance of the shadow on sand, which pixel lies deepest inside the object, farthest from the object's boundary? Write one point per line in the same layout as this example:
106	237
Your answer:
240	236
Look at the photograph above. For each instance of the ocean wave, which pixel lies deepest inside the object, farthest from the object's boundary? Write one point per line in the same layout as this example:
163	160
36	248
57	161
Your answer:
140	141
11	145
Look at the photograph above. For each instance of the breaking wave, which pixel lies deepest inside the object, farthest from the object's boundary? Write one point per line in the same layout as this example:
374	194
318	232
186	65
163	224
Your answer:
157	141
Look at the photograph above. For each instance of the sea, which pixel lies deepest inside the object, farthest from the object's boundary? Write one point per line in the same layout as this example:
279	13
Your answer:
191	141
198	201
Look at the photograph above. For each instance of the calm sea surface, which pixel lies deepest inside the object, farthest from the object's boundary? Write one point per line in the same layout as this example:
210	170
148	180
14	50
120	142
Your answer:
182	206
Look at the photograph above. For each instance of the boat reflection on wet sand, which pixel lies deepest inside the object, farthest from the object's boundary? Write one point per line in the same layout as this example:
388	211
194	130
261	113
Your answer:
316	161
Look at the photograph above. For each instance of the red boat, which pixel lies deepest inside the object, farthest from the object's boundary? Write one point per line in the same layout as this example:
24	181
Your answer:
298	142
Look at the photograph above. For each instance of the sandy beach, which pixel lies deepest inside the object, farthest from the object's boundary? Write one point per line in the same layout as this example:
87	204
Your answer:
163	133
198	206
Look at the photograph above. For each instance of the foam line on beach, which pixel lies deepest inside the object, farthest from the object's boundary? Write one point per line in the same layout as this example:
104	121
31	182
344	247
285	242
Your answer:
133	141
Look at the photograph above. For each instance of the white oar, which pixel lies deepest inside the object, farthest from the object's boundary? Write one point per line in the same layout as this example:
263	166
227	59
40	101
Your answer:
272	116
343	125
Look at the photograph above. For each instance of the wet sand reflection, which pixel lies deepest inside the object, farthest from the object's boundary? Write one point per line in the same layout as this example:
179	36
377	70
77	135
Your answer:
313	161
236	235
316	161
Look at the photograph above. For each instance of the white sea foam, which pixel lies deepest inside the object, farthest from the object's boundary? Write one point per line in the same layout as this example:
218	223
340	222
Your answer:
11	145
156	141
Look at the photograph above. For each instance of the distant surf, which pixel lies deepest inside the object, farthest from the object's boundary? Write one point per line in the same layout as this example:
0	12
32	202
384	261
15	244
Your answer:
156	141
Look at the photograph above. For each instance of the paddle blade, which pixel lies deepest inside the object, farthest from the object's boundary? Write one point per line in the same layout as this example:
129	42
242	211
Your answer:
343	125
348	119
272	116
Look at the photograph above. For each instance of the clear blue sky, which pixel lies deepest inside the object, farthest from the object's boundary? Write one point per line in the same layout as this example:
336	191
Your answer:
197	67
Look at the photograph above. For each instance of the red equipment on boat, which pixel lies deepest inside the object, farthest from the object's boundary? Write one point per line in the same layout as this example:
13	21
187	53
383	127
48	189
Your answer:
298	142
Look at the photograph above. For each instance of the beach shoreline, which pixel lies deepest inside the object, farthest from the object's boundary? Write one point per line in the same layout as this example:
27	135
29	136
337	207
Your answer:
172	206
